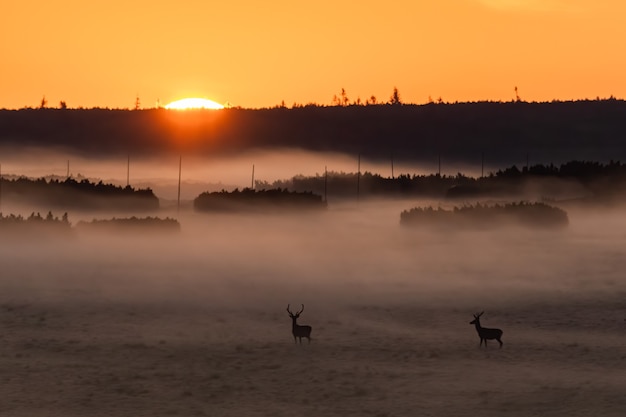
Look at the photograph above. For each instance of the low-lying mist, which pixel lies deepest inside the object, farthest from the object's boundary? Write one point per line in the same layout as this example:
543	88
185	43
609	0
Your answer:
350	253
201	173
194	323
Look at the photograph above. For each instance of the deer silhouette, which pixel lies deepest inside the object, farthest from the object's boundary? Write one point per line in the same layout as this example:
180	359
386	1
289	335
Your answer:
298	331
485	333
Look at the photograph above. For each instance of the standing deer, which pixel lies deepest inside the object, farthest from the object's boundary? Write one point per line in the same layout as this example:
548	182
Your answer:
297	330
485	333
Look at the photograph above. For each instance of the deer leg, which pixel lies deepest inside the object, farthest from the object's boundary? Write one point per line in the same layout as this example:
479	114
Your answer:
500	342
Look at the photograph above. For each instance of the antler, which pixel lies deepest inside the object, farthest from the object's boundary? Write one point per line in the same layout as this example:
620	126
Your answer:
480	314
298	313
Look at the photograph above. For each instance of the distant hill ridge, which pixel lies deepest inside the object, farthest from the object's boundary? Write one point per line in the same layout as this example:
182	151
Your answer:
502	131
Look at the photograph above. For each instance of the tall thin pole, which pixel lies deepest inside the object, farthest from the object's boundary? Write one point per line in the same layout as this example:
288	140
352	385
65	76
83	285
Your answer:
439	171
325	184
482	165
128	171
180	170
358	179
252	186
392	176
68	169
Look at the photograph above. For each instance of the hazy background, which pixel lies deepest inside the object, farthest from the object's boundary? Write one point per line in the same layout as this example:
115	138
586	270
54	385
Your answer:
199	173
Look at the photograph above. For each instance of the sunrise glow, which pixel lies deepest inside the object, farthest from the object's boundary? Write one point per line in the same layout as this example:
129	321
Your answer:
194	103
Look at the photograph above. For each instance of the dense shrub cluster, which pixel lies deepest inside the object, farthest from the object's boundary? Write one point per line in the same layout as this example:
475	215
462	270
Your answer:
481	216
73	194
132	224
35	223
248	199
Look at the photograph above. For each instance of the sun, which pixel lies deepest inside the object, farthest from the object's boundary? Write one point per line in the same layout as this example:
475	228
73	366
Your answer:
194	103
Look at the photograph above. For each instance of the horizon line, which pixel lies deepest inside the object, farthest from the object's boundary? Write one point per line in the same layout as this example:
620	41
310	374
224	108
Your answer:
295	105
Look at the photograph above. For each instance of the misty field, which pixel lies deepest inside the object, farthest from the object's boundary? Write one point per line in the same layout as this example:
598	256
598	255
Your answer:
195	324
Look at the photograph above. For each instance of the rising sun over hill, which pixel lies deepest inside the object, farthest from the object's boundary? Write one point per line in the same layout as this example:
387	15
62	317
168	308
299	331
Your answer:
193	103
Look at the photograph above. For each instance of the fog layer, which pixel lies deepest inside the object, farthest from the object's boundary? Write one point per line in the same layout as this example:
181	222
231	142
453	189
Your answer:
195	324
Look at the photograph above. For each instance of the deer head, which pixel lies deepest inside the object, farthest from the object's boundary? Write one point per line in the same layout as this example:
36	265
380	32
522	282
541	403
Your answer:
292	315
476	318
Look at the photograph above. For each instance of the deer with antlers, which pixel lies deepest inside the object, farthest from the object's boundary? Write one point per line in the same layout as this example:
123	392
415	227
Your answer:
485	333
299	331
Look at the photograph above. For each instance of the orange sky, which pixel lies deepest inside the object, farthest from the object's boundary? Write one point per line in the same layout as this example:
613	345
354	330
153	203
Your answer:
256	54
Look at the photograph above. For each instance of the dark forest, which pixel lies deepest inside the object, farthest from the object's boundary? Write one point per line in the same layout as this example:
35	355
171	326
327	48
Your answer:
504	132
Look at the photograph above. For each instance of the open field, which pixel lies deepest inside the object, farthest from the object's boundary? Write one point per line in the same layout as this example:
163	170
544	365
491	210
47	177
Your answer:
195	324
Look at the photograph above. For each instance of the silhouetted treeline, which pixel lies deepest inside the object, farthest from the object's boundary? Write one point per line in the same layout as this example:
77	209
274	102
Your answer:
595	180
72	194
574	179
249	199
34	224
503	132
487	216
131	225
349	185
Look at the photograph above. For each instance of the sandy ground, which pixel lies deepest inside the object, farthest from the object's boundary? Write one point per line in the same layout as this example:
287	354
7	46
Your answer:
195	325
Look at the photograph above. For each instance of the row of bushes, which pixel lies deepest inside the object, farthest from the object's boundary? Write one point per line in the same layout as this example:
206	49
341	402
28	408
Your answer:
134	224
248	198
73	194
35	223
479	216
